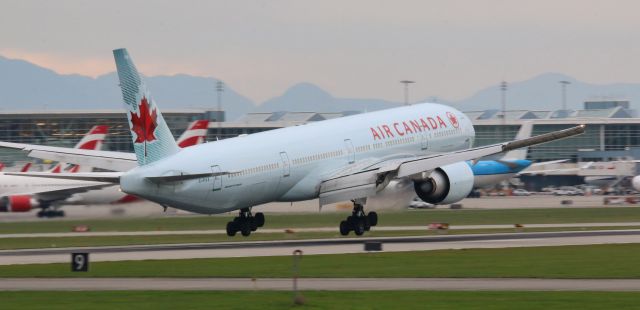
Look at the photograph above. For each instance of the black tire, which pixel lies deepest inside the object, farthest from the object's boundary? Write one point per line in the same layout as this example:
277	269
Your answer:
253	223
344	228
259	217
60	213
231	229
359	227
373	218
245	229
40	214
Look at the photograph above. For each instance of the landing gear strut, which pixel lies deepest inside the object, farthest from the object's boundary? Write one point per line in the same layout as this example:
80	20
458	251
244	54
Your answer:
50	212
245	223
359	221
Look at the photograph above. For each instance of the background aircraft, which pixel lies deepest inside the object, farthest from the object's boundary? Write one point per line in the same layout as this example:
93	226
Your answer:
22	194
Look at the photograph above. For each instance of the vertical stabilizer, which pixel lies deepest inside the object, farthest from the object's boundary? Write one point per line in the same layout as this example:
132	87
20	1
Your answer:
152	139
524	132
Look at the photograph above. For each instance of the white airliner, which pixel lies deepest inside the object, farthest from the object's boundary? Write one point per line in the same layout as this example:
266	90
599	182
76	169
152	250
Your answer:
22	194
349	158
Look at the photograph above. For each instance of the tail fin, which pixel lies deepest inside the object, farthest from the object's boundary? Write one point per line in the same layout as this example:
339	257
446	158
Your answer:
92	140
152	139
524	132
195	134
26	167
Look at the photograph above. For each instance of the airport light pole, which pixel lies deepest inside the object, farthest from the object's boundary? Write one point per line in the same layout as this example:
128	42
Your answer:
219	91
564	84
406	90
503	102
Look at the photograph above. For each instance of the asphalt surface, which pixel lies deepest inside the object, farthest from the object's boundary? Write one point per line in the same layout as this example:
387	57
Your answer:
334	284
320	246
148	209
314	229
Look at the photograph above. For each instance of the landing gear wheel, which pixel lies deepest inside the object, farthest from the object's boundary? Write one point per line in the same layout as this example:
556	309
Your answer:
231	229
41	214
344	228
259	218
245	223
373	218
359	227
245	228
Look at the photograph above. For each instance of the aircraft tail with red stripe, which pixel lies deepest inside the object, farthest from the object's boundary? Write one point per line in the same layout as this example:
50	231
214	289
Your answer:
92	140
195	134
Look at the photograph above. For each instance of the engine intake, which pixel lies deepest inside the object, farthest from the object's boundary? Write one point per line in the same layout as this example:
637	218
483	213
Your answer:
445	185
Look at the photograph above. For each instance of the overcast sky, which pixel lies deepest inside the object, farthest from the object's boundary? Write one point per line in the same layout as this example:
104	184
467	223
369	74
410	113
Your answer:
350	48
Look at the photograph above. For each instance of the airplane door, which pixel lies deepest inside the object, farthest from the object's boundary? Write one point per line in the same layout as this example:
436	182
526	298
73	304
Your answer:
217	180
286	166
424	144
351	153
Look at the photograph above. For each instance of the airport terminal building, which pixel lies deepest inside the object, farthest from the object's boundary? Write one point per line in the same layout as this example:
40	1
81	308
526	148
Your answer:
612	132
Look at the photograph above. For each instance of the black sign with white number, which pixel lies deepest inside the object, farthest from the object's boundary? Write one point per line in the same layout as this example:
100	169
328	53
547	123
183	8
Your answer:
80	262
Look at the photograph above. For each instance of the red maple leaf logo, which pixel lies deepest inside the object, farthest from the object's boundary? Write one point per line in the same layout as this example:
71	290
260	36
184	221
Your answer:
144	124
453	119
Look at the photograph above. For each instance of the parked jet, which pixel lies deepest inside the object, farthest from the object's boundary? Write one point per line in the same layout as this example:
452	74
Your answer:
349	158
22	194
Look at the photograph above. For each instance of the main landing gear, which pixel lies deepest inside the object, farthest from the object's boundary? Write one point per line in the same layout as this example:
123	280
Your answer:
46	210
245	223
359	221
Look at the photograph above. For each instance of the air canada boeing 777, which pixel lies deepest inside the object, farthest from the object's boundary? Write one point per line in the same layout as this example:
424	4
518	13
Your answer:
345	159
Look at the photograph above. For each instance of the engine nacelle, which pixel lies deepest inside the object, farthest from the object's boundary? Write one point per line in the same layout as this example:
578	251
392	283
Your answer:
445	185
18	203
635	182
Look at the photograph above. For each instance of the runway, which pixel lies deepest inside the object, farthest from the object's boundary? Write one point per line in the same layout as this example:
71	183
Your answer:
333	284
312	229
320	246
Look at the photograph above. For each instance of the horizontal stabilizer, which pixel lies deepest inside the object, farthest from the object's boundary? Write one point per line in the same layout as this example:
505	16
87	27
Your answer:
184	177
105	177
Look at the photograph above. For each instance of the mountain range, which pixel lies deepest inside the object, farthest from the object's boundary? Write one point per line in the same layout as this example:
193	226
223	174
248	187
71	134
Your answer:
26	86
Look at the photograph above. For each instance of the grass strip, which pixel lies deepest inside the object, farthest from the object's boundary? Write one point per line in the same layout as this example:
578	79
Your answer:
614	261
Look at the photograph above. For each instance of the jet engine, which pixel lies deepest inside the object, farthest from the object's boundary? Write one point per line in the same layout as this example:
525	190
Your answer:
445	185
18	203
635	182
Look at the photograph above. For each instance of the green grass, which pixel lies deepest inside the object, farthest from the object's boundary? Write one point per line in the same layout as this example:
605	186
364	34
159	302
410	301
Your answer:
141	300
421	217
62	242
592	261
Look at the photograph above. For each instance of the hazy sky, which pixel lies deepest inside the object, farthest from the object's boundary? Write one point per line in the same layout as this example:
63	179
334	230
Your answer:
350	48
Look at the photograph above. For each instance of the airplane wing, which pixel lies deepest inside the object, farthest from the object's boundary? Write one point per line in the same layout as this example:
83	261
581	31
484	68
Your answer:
366	182
51	195
106	177
117	161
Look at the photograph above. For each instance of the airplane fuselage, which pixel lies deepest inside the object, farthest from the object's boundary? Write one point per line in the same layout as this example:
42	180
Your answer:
289	164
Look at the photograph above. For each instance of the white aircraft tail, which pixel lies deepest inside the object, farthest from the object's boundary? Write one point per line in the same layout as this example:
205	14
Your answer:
92	140
152	139
525	132
195	134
